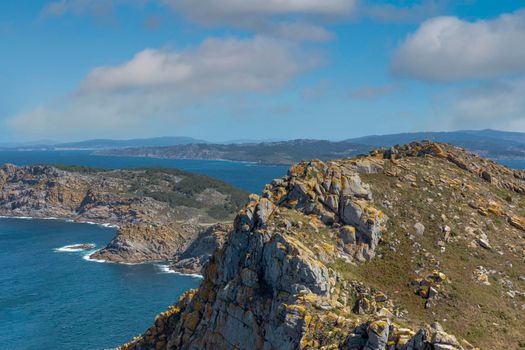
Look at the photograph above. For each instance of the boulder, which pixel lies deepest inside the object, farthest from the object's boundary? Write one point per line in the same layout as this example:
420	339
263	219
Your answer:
378	332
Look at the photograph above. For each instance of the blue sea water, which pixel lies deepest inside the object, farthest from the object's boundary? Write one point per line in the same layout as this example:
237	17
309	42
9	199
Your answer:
248	176
58	300
513	163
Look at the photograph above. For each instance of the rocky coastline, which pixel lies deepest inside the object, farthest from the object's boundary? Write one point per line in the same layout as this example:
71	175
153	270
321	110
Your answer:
153	224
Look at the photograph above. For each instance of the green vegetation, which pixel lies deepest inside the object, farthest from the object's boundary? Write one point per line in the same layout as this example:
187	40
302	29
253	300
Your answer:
77	168
173	186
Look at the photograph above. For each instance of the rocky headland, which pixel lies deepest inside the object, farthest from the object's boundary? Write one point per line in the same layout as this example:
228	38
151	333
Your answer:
416	247
158	212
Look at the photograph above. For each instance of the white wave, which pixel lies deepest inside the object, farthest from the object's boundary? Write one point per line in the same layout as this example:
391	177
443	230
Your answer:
98	224
166	269
107	225
234	161
71	248
87	257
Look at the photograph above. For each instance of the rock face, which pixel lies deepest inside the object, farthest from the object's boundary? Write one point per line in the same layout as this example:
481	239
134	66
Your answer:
158	212
135	243
325	258
198	253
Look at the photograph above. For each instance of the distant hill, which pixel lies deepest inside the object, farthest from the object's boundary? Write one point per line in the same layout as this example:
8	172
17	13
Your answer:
284	152
112	144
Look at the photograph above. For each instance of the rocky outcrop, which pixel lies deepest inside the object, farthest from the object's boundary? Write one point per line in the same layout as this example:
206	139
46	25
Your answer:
135	243
366	253
158	212
192	259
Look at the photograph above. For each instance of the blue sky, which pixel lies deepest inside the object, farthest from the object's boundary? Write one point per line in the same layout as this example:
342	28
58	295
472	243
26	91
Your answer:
258	69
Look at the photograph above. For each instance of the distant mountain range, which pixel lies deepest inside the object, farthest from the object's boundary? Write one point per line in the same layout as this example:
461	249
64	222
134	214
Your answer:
110	144
488	143
98	144
284	152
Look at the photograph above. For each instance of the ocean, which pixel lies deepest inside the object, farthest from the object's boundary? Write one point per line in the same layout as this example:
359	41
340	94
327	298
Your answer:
51	298
54	298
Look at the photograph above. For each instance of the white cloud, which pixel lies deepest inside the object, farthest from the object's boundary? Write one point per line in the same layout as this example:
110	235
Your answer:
220	65
149	92
301	20
225	11
297	20
448	49
499	105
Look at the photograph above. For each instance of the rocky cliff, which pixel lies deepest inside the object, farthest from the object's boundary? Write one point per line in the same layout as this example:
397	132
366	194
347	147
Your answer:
159	212
396	250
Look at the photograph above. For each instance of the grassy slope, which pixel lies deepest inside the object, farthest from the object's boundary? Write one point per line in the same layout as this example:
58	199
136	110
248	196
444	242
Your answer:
475	312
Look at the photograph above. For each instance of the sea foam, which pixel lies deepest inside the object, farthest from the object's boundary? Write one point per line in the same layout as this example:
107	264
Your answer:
166	269
70	248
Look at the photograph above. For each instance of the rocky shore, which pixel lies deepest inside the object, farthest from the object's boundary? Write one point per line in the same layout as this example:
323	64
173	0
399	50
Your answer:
416	247
158	212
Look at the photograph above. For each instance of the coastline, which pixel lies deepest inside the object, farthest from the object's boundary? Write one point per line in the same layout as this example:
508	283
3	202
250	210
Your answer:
70	220
246	162
163	268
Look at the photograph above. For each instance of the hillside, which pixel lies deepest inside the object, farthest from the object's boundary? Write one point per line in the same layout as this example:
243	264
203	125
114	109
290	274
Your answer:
416	247
159	212
488	143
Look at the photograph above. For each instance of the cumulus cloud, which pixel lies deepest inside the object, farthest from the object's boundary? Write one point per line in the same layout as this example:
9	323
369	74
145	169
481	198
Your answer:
298	20
228	11
219	65
448	49
290	19
301	20
498	104
150	91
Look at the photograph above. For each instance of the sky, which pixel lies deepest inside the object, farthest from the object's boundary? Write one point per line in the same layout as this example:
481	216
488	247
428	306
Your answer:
258	69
